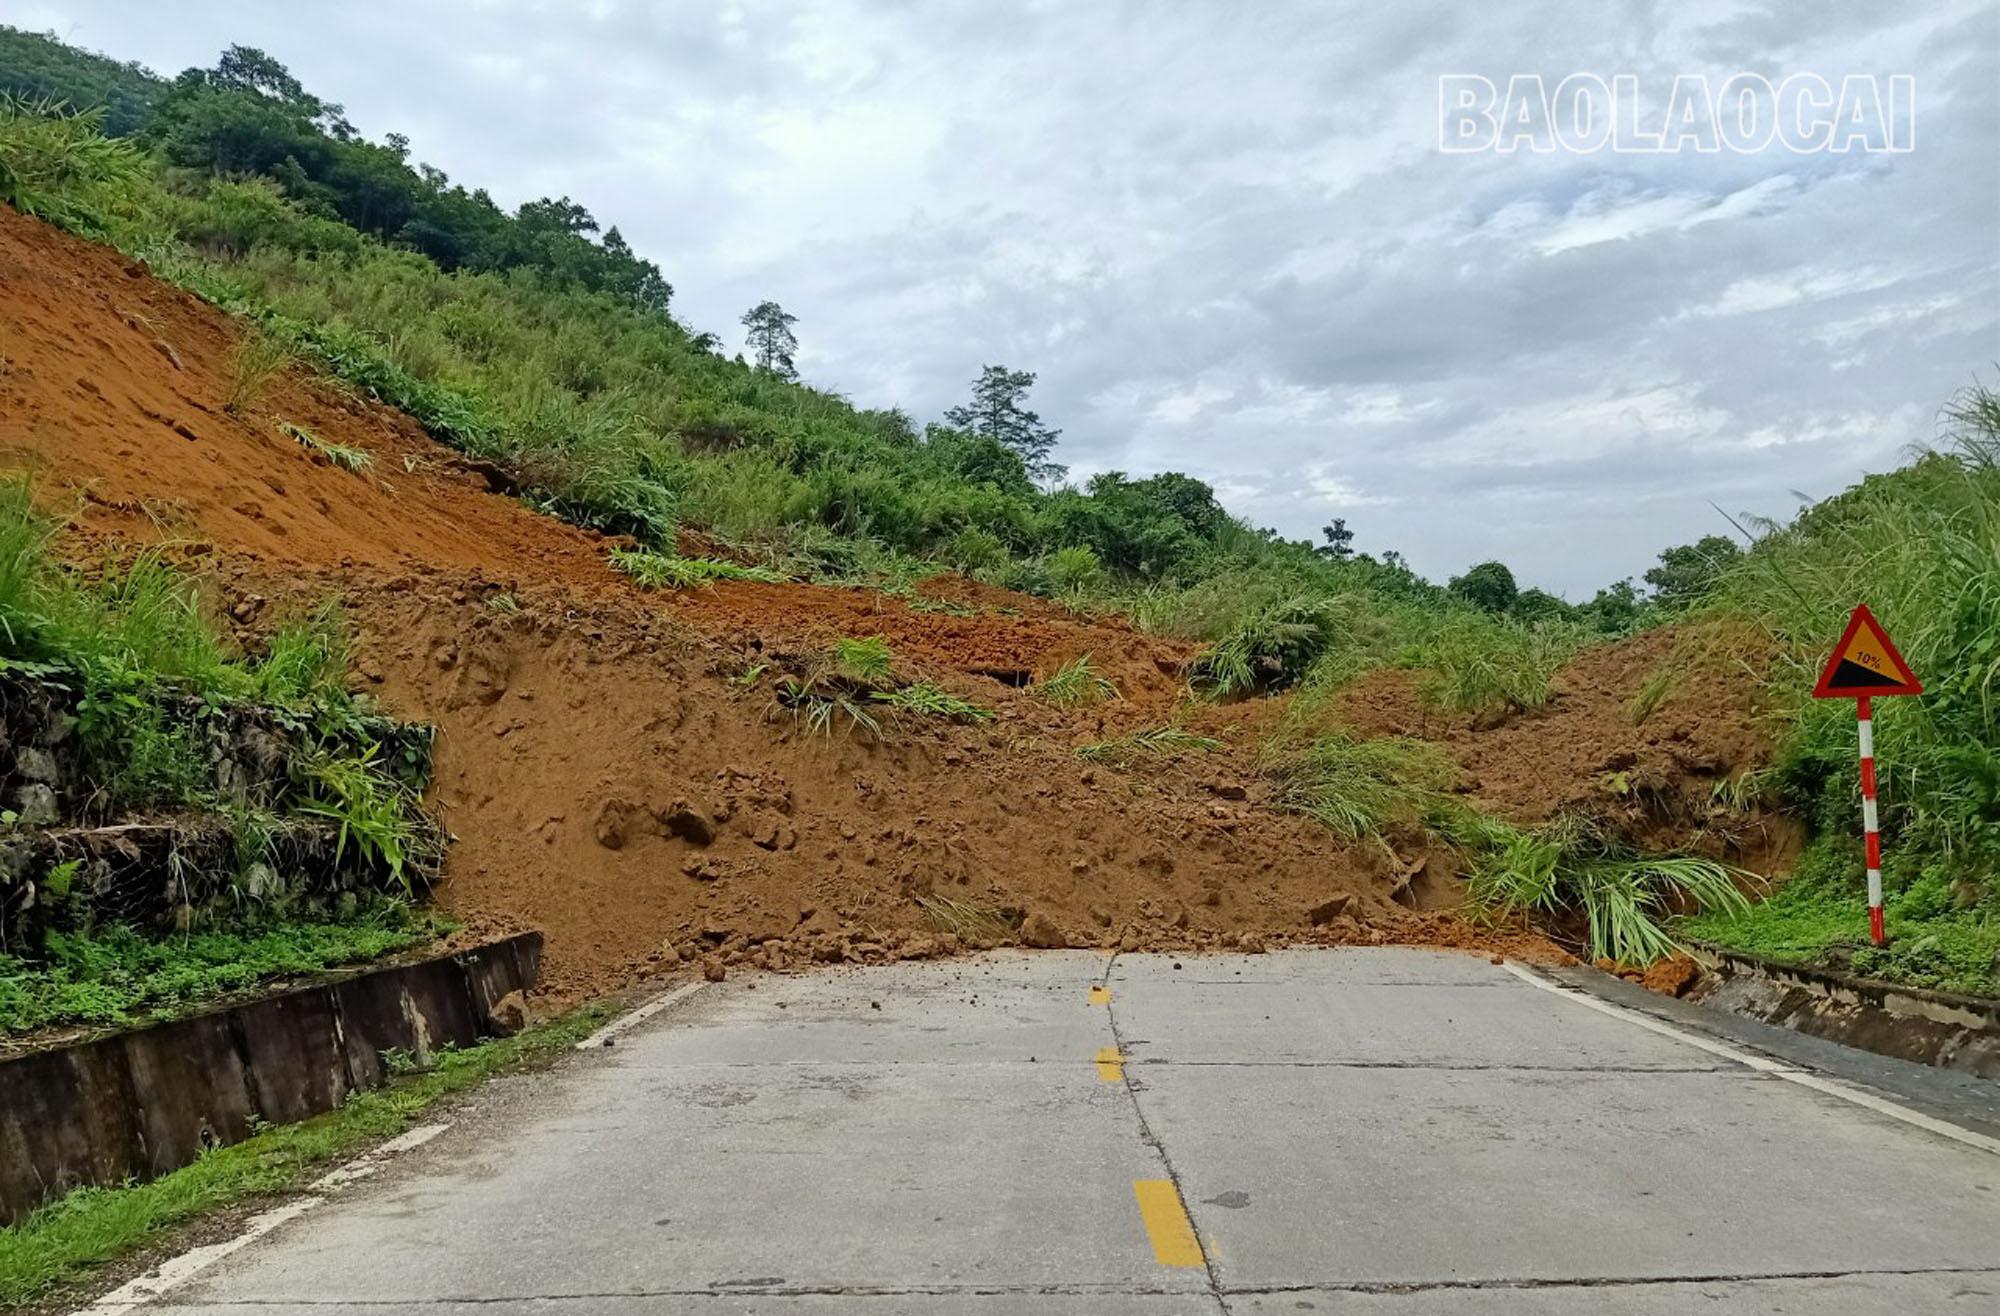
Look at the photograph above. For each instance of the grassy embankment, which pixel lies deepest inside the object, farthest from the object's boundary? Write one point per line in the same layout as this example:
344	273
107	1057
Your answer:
1921	546
149	683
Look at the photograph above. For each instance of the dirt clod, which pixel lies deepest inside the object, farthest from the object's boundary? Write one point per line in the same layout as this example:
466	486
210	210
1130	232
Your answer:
1675	975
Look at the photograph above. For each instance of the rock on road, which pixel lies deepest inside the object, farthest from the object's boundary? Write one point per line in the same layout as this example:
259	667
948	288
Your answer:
1386	1132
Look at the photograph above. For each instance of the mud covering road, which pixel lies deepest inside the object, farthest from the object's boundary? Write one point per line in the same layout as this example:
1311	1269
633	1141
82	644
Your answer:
1385	1131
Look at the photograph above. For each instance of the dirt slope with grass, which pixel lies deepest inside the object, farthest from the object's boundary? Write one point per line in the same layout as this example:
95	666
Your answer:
1656	738
614	762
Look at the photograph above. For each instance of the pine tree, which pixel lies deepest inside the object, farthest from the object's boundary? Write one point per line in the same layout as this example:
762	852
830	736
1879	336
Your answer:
995	412
771	338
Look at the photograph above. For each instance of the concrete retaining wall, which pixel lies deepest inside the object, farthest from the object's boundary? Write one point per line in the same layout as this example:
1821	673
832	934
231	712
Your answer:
140	1104
1907	1023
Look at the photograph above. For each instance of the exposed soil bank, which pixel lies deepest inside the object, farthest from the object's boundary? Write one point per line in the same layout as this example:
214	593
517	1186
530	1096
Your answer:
611	773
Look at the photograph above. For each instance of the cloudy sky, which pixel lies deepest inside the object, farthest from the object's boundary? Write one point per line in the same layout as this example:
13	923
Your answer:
1227	240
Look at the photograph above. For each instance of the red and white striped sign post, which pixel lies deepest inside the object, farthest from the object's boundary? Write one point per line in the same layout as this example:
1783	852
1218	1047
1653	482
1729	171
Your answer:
1865	664
1871	823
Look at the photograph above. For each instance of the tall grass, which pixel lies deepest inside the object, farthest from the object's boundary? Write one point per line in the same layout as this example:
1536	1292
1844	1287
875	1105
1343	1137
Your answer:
1361	788
1569	869
257	359
1920	546
1478	664
1076	684
665	571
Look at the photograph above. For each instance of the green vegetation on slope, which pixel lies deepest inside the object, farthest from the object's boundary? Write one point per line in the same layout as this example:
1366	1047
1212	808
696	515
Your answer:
604	409
159	709
525	340
115	976
1920	546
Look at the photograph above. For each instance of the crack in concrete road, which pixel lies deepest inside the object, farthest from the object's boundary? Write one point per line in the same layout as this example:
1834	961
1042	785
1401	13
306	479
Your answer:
1151	1140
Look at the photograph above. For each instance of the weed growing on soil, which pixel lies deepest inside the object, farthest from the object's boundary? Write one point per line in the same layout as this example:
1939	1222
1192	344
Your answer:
972	922
65	1241
352	460
258	359
375	815
1077	684
944	607
815	708
1155	742
867	661
114	976
1361	788
306	659
1568	870
660	571
1652	694
925	699
1269	649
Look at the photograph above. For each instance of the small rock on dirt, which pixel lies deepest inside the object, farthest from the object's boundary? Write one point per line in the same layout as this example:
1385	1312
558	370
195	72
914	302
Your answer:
510	1014
682	820
1040	931
1326	911
1673	976
610	825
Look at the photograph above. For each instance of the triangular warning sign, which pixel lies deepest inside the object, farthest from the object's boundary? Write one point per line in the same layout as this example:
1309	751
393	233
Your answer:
1865	662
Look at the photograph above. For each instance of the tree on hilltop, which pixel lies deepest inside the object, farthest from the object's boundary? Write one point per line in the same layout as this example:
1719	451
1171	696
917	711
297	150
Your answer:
997	412
771	338
1339	544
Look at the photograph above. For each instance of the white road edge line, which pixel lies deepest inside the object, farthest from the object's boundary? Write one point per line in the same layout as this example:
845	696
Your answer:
176	1271
625	1023
1790	1074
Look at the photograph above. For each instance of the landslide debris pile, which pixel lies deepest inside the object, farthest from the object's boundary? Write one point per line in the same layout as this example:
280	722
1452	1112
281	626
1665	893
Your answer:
615	764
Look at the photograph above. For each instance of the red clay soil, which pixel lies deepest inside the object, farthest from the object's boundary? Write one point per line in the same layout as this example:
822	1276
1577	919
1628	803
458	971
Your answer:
606	778
113	389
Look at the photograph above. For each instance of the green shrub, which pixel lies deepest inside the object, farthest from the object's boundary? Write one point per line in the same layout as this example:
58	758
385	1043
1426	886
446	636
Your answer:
1074	570
56	164
1569	869
1360	788
1271	649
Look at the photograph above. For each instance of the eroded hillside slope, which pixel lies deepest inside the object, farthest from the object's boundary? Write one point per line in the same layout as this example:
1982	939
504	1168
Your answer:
612	762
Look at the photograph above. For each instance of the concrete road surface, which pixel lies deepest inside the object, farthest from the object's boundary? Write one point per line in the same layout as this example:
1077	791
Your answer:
1385	1132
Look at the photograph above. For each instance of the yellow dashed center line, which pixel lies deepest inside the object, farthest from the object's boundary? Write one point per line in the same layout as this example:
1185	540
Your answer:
1167	1223
1110	1066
